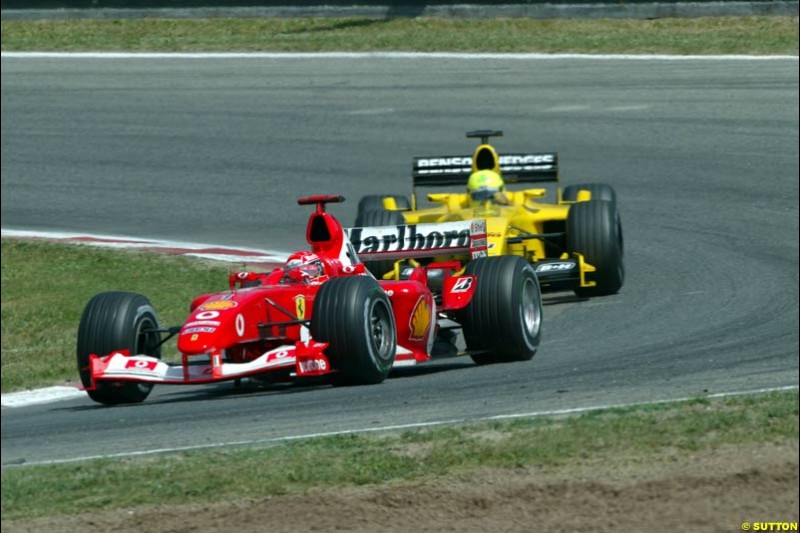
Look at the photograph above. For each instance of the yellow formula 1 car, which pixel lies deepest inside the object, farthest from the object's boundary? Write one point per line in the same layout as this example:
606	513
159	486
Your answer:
574	243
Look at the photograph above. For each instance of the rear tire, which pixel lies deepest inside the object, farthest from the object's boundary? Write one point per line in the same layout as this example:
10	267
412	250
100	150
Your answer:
600	191
503	322
117	321
594	230
381	218
374	202
354	315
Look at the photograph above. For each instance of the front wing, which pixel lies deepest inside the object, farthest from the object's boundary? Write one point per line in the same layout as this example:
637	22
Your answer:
307	359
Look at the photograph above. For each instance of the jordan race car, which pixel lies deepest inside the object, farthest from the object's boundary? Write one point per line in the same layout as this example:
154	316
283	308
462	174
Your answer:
573	243
321	314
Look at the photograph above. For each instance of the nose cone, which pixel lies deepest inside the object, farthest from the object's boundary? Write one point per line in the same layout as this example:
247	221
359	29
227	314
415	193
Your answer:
208	325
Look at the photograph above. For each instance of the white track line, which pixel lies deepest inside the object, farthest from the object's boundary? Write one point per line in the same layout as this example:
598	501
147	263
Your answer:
383	55
418	425
220	252
39	396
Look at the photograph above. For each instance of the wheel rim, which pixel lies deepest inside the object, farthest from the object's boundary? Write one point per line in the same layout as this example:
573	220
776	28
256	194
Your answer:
147	338
381	330
531	312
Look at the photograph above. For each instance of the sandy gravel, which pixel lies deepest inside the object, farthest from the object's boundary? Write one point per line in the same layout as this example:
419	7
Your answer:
709	491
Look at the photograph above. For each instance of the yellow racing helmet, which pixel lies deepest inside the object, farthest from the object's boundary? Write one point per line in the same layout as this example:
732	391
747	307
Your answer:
483	185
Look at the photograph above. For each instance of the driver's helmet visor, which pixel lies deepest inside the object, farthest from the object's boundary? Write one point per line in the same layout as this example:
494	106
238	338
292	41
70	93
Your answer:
297	270
483	194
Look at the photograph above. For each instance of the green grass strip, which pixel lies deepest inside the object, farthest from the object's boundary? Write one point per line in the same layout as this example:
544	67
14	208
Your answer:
709	35
45	287
637	435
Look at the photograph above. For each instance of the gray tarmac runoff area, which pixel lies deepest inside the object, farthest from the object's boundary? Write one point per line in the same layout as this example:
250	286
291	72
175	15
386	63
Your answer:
703	155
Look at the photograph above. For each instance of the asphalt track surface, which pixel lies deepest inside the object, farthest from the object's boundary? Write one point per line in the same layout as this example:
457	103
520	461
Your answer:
703	155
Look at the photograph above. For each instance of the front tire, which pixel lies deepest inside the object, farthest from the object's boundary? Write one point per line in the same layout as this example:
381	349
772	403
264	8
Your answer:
594	230
354	315
117	321
503	321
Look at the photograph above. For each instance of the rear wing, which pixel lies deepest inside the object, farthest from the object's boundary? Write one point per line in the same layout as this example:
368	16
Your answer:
455	170
419	240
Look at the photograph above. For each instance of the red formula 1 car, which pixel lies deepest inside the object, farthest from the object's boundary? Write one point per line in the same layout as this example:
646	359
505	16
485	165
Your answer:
321	314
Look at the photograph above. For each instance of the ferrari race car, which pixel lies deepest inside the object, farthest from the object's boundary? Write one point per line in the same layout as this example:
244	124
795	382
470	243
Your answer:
575	243
322	314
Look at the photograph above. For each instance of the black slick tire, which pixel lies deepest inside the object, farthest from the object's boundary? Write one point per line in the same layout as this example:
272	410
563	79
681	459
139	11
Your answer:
374	202
503	321
354	315
117	321
594	230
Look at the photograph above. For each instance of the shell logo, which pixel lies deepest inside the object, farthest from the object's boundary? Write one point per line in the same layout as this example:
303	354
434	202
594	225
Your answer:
420	320
218	305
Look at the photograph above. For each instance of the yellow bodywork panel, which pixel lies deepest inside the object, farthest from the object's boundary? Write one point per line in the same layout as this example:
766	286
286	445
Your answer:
514	214
389	203
508	219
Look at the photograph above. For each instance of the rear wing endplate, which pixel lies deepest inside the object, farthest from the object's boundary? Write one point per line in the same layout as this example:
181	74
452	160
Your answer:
419	240
455	170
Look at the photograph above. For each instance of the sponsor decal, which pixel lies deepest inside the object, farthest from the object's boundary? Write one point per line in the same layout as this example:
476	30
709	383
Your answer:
556	267
478	227
462	284
239	324
189	331
300	306
218	304
214	323
275	356
420	320
206	315
445	162
407	238
418	240
463	164
138	364
308	366
508	159
523	160
194	337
